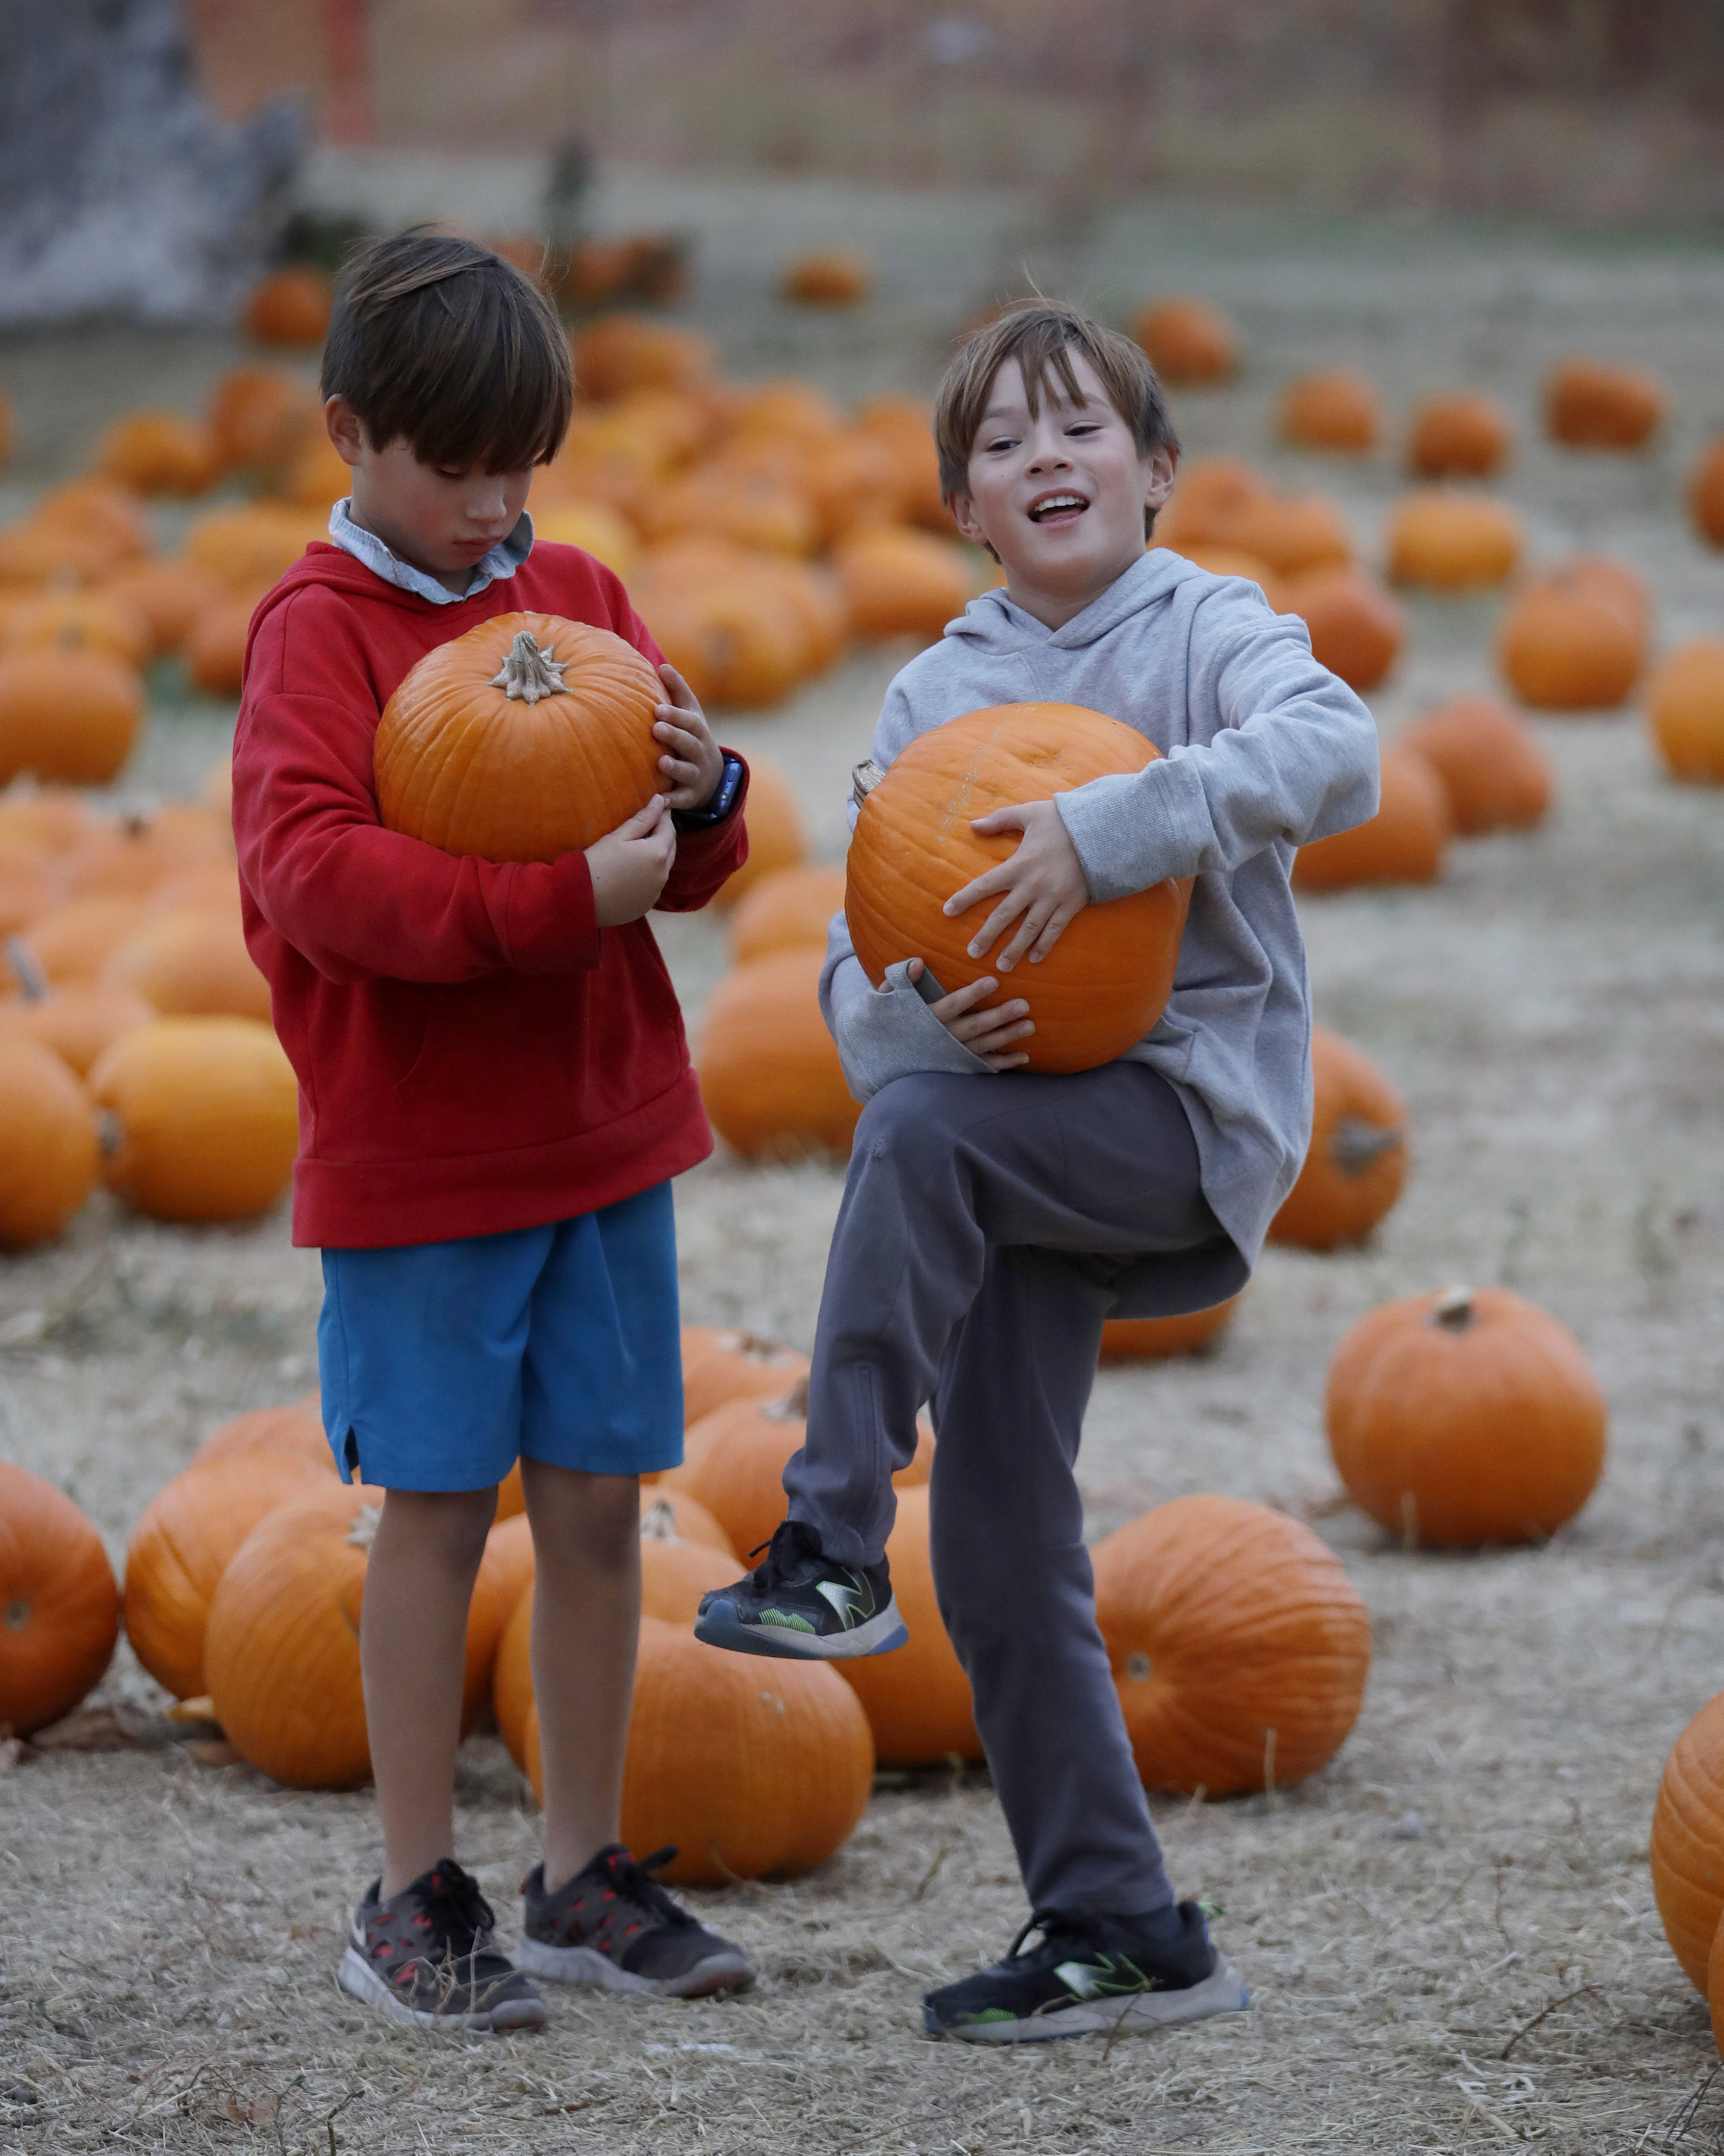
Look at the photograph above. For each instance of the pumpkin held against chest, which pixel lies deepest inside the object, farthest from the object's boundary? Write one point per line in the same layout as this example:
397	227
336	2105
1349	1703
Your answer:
528	737
1109	978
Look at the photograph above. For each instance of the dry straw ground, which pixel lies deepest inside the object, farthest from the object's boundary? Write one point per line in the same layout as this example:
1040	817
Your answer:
1450	1934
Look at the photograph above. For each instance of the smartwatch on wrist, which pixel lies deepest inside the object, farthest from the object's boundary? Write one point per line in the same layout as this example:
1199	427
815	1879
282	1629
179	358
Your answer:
723	801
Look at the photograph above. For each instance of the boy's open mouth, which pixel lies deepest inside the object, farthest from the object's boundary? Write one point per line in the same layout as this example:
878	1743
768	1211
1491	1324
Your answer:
1065	503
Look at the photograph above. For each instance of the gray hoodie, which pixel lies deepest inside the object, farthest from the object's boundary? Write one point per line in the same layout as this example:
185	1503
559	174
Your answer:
1262	750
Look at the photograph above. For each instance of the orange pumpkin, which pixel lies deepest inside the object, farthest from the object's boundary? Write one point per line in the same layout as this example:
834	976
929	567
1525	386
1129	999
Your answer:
291	307
527	737
213	651
1706	492
1356	1160
596	529
137	853
720	1365
48	1144
158	451
181	1547
258	415
917	1698
73	942
903	427
1239	1646
191	962
102	620
201	1118
1402	843
1590	405
210	887
297	1431
1357	629
675	1571
511	1669
107	514
1493	772
1292	532
69	715
1210	495
1110	974
509	1550
733	1462
1460	434
1466	1416
787	909
60	1606
1152	1339
46	819
769	1073
247	549
1684	707
1687	1851
750	1773
829	277
1448	542
735	639
854	480
77	1021
1188	340
900	583
747	505
776	837
171	594
1333	409
1575	638
281	1645
621	352
318	477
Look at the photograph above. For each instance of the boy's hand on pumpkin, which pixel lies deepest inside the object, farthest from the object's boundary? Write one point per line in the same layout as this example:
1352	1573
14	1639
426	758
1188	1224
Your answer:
988	1034
629	865
693	762
1041	887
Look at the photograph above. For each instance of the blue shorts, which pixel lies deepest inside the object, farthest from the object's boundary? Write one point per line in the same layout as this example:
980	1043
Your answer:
443	1363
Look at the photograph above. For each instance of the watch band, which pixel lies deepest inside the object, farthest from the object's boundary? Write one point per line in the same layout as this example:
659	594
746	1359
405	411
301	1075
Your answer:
723	799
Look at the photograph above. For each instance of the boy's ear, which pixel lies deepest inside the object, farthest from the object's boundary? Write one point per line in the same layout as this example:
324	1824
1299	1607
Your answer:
345	430
1163	465
962	511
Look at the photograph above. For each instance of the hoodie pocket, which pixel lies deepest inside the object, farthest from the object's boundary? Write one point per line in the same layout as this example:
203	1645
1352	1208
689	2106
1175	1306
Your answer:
497	1067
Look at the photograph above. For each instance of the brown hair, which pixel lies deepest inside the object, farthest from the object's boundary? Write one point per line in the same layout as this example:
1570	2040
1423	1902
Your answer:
440	343
1041	337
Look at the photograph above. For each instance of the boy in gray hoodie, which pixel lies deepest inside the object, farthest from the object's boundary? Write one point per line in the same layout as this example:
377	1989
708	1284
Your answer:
993	1217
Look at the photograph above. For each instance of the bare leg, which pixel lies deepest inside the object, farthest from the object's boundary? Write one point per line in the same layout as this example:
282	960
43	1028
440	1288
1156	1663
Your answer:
412	1633
586	1627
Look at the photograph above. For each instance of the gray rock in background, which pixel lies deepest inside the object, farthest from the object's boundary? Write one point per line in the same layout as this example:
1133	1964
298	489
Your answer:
121	192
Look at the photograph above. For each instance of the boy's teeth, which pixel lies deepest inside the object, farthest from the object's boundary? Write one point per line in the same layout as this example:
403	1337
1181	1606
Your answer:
1058	501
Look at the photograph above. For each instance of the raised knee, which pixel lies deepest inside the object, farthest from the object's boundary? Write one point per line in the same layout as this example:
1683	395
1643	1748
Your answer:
903	1124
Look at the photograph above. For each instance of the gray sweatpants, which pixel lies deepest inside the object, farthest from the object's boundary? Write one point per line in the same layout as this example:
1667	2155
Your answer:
983	1222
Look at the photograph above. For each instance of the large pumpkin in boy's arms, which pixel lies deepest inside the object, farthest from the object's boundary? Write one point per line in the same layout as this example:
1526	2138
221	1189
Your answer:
528	737
1109	978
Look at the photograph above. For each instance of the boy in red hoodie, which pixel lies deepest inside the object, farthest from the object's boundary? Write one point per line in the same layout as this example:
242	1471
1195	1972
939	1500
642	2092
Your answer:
495	1091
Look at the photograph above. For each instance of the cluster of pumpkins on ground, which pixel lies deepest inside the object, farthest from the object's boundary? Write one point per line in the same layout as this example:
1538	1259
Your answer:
1238	1643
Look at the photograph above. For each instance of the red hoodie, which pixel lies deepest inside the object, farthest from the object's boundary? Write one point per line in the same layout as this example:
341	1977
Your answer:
474	1052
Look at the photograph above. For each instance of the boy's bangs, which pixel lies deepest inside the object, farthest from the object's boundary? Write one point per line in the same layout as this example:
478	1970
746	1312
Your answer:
1037	359
491	398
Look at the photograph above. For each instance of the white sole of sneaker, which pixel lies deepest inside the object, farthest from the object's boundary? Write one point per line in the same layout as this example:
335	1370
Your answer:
718	1625
721	1972
360	1980
1220	1992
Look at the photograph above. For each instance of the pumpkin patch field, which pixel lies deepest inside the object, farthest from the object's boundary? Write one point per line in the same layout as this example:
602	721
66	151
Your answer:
1411	1561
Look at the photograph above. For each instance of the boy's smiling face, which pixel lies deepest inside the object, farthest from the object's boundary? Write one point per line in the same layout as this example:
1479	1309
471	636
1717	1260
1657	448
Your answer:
441	519
1060	494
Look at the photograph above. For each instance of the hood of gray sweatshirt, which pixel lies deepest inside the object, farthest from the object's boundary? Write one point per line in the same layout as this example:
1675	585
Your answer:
1263	750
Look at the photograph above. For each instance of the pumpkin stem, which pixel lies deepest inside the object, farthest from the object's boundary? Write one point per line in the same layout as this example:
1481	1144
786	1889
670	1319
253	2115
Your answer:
26	969
1454	1310
109	1132
17	1615
792	1408
1356	1145
658	1523
1138	1667
864	778
363	1532
755	1345
528	673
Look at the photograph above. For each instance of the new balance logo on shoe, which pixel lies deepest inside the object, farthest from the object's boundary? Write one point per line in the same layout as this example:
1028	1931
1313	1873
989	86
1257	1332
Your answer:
851	1596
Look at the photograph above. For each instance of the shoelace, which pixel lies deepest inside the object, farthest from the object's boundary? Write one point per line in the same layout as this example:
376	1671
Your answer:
458	1914
635	1883
791	1545
1053	1924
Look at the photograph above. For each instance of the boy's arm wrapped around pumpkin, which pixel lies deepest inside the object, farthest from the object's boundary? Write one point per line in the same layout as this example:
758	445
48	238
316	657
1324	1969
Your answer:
887	1032
707	859
1293	757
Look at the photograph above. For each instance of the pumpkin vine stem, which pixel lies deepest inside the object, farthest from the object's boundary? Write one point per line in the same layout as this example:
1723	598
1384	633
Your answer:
1358	1145
1453	1311
528	673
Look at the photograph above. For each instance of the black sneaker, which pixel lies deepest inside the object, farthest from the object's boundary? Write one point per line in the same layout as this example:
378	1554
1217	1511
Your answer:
614	1925
425	1955
1088	1974
798	1606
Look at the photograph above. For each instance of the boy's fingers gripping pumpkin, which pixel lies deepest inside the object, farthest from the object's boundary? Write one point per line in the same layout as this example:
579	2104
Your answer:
1041	886
991	1034
629	865
693	762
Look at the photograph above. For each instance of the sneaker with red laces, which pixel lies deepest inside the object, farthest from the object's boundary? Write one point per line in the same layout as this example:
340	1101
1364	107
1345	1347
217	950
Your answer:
613	1924
426	1956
